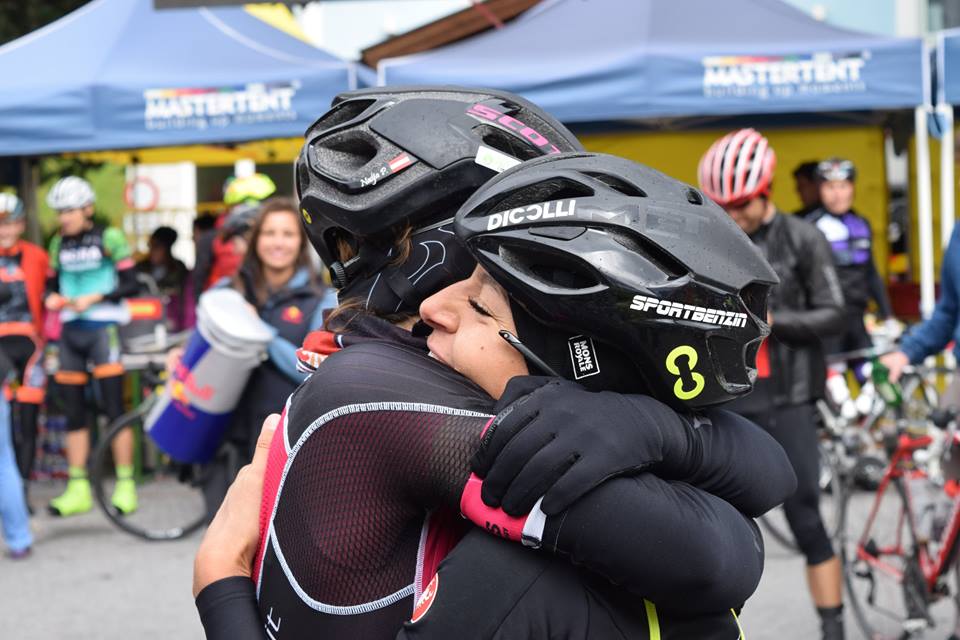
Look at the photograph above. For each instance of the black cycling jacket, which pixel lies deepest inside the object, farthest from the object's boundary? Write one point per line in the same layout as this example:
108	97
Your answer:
851	241
806	306
366	481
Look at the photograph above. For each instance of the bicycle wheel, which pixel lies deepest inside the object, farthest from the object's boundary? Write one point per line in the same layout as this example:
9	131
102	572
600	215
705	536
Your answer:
885	585
170	500
832	491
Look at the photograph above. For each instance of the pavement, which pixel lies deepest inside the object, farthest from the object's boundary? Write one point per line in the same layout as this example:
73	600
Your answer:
89	580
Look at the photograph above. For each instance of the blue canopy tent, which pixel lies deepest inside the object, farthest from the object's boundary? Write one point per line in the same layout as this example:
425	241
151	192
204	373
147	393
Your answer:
622	59
602	60
119	74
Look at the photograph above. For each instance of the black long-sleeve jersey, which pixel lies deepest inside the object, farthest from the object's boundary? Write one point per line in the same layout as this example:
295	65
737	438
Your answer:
368	484
490	589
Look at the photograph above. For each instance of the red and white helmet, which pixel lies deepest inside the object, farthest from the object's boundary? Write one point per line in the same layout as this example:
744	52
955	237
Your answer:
737	168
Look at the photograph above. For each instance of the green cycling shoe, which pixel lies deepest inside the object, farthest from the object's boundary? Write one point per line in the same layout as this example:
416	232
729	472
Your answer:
124	498
75	500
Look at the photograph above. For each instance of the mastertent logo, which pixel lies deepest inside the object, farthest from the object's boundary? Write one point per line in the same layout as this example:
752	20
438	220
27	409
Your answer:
191	108
766	77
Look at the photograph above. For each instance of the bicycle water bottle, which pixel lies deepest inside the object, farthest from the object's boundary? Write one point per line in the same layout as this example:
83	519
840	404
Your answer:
888	390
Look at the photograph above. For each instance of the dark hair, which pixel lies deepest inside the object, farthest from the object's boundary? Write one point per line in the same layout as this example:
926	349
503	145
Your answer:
807	169
346	310
204	223
252	267
166	236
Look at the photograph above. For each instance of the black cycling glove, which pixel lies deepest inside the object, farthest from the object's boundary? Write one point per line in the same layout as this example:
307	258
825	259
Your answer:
557	440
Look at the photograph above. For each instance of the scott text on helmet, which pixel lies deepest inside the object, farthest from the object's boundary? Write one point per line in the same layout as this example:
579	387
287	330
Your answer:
487	112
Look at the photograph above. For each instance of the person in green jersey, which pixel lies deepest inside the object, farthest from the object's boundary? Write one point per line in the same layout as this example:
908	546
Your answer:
91	272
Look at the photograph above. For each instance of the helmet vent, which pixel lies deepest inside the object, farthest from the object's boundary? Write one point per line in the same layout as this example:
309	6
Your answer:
663	261
506	143
553	189
694	197
348	153
728	357
617	184
751	354
754	296
303	179
548	268
343	112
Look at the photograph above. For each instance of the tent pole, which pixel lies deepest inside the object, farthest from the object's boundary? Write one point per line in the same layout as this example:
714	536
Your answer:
924	211
946	173
29	182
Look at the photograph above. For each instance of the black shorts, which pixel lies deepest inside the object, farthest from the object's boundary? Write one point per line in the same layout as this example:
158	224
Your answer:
23	355
83	345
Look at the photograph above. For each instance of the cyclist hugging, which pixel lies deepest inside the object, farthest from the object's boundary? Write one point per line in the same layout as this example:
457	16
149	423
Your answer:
604	290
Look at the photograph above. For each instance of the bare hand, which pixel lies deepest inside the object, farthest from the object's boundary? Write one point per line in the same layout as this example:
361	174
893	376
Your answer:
55	302
174	356
895	362
230	543
82	303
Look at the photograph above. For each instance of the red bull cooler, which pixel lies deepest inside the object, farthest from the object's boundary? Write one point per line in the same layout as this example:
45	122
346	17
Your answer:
230	341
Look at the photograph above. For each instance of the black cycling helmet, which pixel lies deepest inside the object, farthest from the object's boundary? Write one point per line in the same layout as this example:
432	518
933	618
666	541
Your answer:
623	278
240	219
384	159
836	169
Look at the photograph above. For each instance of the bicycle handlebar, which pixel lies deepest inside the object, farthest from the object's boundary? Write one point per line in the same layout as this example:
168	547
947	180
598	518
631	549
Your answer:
148	344
860	354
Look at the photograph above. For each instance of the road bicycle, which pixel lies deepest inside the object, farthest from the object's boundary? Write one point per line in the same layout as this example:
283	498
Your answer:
898	553
170	496
851	454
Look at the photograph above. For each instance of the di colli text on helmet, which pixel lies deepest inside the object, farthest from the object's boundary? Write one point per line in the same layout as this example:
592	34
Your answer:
633	281
532	213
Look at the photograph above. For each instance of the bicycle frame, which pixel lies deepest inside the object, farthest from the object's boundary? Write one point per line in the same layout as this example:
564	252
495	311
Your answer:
932	566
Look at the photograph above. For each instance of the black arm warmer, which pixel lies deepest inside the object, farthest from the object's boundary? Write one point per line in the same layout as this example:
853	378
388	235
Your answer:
127	285
728	456
228	610
664	541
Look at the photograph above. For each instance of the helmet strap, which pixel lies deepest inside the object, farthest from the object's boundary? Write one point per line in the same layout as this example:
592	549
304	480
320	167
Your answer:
550	348
527	354
402	287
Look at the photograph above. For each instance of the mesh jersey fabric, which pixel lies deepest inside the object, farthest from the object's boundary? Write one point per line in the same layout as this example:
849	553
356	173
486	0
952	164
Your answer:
349	531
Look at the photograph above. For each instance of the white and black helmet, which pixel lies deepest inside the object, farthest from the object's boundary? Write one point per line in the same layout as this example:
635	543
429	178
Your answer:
11	208
71	192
